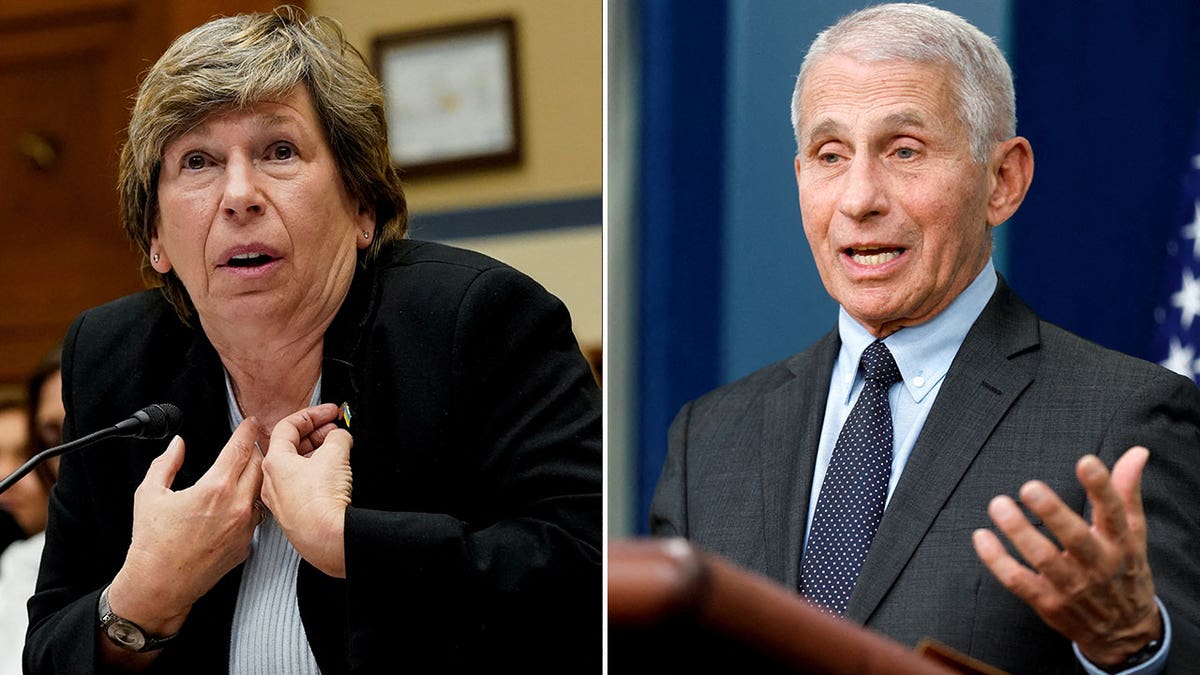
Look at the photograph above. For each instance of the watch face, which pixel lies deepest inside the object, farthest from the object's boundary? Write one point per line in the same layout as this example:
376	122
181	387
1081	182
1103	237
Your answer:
126	634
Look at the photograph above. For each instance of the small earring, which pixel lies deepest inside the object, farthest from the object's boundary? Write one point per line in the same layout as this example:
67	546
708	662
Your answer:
155	258
366	235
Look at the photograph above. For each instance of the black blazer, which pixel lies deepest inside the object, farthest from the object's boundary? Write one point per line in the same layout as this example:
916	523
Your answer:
474	534
1023	399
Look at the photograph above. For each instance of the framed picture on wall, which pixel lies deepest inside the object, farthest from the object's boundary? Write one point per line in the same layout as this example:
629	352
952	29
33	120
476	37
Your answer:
451	95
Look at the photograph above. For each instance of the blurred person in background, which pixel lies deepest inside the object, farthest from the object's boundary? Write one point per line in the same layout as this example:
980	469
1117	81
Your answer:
19	562
15	517
46	410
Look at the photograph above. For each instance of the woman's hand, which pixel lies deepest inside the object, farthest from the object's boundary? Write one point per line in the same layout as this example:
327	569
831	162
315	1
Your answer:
185	541
307	482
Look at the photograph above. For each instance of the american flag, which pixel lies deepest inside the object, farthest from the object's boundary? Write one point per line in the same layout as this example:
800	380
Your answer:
1177	317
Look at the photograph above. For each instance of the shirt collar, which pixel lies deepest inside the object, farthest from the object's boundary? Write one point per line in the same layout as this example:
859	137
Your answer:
923	352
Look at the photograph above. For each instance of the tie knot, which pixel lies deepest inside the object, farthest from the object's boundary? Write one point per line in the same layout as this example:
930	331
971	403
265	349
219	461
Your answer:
877	364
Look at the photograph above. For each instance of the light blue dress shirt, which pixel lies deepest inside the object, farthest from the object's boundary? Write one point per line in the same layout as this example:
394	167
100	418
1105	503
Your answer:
924	354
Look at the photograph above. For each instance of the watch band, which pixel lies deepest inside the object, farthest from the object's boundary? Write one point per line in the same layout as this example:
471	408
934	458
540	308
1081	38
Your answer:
124	633
1149	651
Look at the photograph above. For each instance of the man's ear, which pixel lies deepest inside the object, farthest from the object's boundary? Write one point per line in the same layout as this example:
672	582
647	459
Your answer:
1010	173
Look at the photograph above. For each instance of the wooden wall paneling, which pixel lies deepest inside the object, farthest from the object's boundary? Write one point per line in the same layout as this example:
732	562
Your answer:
60	119
68	70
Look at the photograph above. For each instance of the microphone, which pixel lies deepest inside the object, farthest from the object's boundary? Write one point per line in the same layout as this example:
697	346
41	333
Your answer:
152	422
155	421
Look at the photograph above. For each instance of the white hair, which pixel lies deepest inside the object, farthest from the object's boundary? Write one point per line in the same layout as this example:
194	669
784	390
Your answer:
982	88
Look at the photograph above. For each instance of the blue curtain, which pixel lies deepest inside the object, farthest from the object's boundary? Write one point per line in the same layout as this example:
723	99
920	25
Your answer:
1107	93
680	217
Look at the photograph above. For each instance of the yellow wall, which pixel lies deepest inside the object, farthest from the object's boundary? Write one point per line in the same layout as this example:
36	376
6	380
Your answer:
566	261
560	54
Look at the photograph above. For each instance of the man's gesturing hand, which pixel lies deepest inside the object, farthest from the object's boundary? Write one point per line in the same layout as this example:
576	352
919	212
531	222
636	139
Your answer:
1096	589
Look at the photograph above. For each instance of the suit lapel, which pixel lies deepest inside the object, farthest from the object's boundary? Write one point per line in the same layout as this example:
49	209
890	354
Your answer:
322	599
792	418
199	391
981	385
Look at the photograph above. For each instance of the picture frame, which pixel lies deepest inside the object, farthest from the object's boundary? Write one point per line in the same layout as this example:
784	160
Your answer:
452	96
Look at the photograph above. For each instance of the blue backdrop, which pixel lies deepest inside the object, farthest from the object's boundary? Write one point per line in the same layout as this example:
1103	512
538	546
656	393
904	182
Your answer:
680	239
1107	94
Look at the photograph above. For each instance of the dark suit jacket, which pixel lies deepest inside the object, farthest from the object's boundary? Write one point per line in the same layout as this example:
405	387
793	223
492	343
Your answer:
1023	399
474	534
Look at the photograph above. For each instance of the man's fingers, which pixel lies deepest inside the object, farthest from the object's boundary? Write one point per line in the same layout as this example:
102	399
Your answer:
1108	511
164	467
1073	532
1008	570
1127	481
1100	579
1039	551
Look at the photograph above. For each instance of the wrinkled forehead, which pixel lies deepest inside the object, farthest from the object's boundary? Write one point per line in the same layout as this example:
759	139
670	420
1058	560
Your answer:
270	109
258	117
840	90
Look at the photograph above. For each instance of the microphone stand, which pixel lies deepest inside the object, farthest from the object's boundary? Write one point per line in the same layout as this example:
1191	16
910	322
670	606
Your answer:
155	421
57	450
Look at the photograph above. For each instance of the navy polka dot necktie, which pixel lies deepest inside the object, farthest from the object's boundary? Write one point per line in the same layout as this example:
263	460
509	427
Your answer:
852	497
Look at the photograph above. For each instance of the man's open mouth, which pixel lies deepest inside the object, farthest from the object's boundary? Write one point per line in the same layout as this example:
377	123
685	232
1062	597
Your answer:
873	256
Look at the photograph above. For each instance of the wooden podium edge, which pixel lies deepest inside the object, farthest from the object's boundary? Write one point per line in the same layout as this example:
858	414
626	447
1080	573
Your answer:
655	581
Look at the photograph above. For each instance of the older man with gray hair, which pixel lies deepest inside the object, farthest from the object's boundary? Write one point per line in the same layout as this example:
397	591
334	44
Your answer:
864	471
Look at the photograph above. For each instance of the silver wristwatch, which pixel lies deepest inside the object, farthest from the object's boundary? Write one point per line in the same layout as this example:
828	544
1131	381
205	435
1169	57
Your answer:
124	633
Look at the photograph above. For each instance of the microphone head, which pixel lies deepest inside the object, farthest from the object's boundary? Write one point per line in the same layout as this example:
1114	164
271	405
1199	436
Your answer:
158	420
